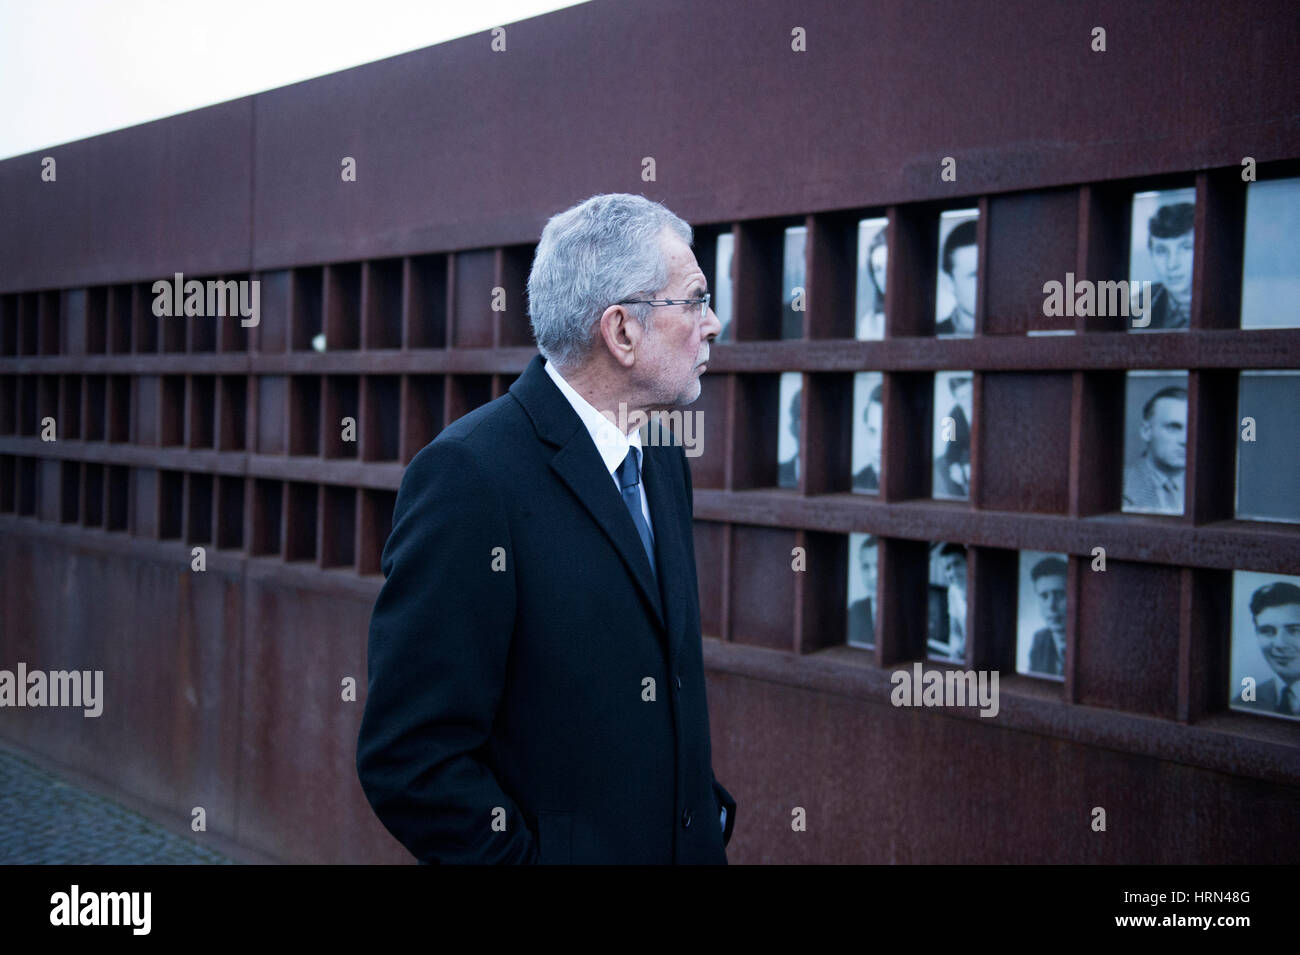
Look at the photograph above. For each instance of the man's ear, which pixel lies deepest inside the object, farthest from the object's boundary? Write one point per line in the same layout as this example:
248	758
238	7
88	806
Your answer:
621	334
1144	431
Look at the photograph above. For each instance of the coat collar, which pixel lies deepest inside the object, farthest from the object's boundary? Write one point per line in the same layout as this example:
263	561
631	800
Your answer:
579	465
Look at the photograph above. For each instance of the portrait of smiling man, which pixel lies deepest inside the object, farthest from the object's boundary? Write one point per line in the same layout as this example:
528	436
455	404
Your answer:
536	681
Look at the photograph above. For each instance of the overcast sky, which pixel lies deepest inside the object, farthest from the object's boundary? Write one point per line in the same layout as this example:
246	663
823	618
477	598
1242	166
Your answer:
76	68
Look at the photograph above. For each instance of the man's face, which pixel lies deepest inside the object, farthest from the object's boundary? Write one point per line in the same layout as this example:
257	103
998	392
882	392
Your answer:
1172	260
1278	629
873	435
954	570
1165	433
671	356
965	258
1051	600
869	561
962	395
879	259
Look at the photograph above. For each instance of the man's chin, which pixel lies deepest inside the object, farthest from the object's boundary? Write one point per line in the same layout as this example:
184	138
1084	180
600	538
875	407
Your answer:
689	394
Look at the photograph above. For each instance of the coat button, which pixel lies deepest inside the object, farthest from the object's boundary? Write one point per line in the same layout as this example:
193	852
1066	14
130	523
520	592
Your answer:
679	682
686	819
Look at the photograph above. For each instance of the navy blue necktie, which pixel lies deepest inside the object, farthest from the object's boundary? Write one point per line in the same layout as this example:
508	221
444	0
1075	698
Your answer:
629	481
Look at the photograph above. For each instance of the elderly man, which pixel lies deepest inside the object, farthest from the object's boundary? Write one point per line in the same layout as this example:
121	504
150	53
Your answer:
536	676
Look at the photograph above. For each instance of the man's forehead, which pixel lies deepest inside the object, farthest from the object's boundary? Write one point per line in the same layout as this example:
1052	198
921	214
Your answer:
1170	407
1286	612
681	260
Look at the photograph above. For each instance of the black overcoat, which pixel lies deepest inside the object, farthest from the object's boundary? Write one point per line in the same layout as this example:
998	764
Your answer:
535	695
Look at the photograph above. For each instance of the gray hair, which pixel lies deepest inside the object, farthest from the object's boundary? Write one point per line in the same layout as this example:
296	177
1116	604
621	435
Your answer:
594	255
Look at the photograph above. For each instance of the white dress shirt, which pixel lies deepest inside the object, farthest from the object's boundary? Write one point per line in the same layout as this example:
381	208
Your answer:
612	443
613	446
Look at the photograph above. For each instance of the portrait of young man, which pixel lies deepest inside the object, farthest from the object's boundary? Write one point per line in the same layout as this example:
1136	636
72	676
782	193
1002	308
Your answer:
947	610
1154	477
958	279
1169	245
1271	630
536	681
868	395
863	552
954	412
1046	588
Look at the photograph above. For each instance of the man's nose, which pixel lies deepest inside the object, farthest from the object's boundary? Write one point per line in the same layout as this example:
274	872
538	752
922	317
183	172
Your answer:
712	327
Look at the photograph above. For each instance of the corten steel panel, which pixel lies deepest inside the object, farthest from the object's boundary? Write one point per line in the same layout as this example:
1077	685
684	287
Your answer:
1126	648
708	459
709	538
140	203
474	279
741	126
1033	239
821	612
297	759
762	587
1024	448
881	784
168	730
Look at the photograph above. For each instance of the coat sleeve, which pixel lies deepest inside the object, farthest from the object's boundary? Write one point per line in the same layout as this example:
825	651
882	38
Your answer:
439	637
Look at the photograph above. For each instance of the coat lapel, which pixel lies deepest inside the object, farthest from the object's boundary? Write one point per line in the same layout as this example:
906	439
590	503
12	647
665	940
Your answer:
579	465
661	488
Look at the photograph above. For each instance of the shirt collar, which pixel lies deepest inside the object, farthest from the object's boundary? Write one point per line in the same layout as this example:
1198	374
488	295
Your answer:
612	443
1163	479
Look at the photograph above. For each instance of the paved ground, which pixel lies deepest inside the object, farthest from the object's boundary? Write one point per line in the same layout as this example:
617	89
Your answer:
44	820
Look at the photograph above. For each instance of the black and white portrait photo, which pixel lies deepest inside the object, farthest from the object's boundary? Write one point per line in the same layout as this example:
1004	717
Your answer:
953	414
1268	436
867	431
1155	442
794	287
1270	278
1040	614
954	312
864	557
721	287
1265	644
787	440
1160	253
946	609
873	256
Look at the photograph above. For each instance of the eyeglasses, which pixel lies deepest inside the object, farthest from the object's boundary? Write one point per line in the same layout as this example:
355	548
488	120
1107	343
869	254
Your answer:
703	303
